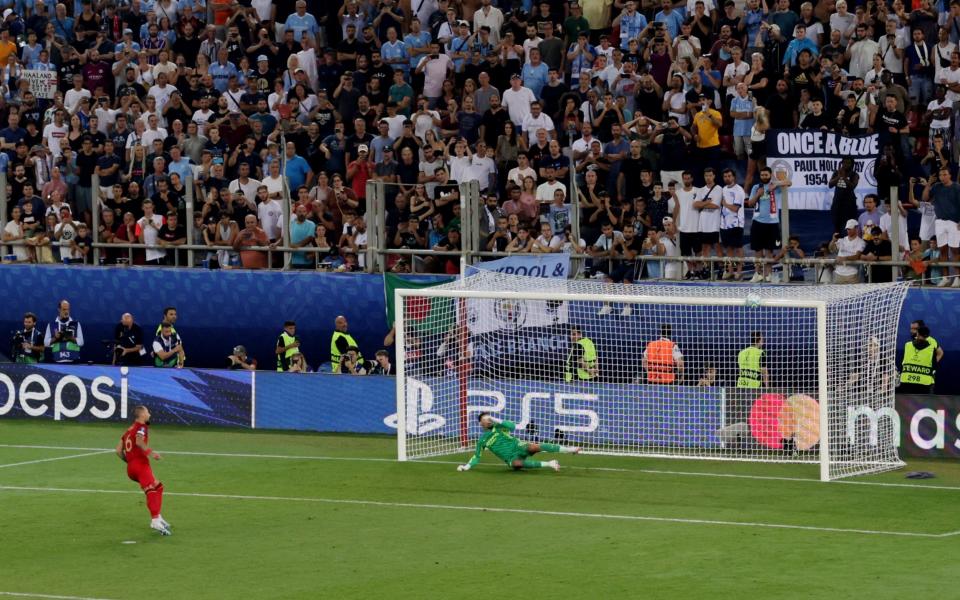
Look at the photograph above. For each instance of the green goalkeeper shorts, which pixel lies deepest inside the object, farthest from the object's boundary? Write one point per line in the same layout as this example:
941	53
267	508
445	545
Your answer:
521	453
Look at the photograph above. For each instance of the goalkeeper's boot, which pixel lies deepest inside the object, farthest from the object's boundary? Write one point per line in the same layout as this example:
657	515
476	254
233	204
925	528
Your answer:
159	526
552	464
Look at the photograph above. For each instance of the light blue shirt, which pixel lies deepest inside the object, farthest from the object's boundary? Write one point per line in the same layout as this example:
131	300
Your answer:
296	172
536	77
741	127
458	44
39	66
672	21
393	51
762	213
581	63
630	28
416	41
221	75
307	23
794	48
182	168
298	233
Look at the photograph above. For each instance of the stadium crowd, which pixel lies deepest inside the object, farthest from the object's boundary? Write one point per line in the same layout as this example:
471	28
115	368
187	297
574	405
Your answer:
652	114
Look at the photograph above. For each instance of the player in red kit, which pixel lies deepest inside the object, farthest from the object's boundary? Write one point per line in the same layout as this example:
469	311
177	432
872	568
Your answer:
134	450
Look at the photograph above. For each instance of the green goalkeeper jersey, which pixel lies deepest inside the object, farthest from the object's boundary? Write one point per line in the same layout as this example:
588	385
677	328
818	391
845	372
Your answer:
499	441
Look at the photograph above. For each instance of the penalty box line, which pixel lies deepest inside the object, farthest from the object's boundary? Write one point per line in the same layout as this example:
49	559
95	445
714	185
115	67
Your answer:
47	596
55	458
494	509
453	462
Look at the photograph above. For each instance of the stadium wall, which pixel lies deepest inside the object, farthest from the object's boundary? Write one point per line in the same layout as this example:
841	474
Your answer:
929	425
219	309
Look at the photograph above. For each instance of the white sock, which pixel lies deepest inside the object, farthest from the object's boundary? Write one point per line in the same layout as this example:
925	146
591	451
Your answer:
568	449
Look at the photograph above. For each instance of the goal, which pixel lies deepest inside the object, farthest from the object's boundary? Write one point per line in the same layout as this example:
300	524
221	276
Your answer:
721	372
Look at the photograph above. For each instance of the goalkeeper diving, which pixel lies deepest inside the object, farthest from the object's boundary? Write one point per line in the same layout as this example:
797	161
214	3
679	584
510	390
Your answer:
498	439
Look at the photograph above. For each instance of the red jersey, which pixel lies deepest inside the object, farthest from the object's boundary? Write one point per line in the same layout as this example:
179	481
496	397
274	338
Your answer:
132	452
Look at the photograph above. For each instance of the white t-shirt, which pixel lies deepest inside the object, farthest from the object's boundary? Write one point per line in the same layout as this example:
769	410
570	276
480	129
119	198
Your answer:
153	134
249	188
555	242
270	215
72	98
689	217
162	94
677	101
939	53
532	124
517	103
274	186
886	50
52	135
459	168
885	227
19	251
936	105
151	235
734	71
710	218
671	269
847	247
605	243
395	125
949	76
202	118
434	73
422	123
517	175
546	189
732	195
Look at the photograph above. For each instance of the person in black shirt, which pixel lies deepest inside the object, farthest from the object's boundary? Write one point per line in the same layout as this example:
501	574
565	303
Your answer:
805	75
879	249
128	342
649	102
816	119
844	205
780	107
891	126
172	234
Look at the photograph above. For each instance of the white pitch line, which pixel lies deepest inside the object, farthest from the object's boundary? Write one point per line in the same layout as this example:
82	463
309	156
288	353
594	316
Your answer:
47	596
494	509
453	462
43	460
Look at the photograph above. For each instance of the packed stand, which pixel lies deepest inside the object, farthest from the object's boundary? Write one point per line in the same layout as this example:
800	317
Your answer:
653	115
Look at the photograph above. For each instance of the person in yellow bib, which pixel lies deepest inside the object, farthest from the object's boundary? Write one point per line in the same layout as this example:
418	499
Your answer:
917	368
938	353
581	358
341	342
752	363
288	345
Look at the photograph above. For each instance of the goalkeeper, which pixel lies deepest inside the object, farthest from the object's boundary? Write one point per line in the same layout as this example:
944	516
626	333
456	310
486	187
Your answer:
498	439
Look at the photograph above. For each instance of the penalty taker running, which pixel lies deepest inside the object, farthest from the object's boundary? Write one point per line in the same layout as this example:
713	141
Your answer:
498	439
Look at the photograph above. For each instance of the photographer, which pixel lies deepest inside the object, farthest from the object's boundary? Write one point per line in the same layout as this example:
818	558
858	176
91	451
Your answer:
238	360
351	363
128	340
27	345
64	336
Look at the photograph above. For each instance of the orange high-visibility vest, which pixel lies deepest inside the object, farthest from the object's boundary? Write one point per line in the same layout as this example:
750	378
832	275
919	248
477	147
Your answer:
661	368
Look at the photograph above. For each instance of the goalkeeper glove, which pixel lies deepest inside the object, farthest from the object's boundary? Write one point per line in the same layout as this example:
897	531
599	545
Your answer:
465	467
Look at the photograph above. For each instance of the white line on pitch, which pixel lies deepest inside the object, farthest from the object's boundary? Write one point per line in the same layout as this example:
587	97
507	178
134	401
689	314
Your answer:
46	596
453	462
55	458
522	511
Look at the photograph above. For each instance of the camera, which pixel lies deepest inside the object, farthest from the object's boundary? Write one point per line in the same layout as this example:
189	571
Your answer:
16	344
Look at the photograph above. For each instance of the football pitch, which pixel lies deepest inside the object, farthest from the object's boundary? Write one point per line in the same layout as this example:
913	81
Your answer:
280	515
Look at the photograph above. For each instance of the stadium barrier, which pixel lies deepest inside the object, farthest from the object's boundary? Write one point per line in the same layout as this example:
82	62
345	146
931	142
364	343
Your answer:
928	425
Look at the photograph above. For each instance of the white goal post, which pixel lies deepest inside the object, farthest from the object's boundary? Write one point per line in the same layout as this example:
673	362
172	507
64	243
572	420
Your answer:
790	374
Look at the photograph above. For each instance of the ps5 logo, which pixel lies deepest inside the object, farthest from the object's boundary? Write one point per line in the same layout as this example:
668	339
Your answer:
419	419
589	419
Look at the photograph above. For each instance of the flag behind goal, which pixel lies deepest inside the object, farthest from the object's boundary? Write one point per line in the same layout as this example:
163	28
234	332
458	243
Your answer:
725	372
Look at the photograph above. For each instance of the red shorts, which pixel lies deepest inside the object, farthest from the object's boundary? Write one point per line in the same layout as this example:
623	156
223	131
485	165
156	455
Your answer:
142	474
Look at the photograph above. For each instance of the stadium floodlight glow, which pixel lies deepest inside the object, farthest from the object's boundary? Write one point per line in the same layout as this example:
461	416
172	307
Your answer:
720	372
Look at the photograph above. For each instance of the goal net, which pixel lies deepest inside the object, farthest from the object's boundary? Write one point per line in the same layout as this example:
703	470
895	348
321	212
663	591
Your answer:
719	372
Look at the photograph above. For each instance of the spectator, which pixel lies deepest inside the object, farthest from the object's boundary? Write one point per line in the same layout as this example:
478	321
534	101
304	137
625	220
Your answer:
848	248
238	360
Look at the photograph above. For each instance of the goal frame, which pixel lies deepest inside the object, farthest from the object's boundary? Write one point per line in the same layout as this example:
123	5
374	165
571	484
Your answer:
819	306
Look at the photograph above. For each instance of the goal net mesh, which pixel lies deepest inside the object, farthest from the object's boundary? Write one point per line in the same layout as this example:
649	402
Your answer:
721	372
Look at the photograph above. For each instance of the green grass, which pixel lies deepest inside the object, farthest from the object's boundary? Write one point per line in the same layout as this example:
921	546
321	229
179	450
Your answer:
71	543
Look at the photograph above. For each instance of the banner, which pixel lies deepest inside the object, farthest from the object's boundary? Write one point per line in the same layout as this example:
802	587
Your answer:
929	426
528	265
809	158
92	393
43	84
